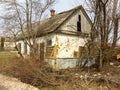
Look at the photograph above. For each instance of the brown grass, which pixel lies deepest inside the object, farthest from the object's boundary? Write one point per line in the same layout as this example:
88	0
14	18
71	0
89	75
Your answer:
41	75
31	72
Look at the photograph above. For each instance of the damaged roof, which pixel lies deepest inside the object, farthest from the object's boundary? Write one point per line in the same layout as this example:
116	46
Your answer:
53	23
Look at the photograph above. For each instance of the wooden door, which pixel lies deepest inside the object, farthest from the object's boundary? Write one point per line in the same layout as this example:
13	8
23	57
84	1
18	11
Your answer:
42	45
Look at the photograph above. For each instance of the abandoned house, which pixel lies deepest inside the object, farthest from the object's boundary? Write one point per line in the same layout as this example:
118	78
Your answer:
61	38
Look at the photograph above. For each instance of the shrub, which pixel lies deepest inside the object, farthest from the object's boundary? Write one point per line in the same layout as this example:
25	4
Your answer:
31	72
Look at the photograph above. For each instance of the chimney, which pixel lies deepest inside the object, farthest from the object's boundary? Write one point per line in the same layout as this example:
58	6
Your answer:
52	12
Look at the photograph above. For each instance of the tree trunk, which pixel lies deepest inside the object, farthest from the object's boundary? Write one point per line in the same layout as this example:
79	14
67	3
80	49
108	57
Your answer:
101	60
116	22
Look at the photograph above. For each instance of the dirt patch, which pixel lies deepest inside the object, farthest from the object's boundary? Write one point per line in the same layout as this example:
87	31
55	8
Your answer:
3	88
9	83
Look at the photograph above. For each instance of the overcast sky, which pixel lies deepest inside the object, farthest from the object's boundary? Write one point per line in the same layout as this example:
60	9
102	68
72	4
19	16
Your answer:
63	5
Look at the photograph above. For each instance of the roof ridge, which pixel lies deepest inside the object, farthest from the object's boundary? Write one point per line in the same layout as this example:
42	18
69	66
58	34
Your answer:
77	7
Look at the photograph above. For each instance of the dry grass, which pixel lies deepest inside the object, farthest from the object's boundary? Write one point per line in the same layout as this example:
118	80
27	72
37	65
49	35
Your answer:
7	59
41	75
31	72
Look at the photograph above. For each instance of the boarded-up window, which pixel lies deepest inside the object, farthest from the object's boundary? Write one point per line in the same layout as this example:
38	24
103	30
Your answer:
51	52
75	54
82	51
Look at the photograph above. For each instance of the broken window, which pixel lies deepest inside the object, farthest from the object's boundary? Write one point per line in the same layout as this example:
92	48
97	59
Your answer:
79	23
49	42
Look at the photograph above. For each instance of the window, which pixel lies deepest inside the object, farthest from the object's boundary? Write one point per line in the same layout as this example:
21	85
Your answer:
49	42
19	47
79	18
79	23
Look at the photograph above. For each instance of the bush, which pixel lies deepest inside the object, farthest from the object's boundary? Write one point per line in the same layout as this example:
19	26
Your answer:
31	72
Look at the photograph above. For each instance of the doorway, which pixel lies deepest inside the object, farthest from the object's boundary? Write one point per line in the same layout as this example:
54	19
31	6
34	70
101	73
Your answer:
42	46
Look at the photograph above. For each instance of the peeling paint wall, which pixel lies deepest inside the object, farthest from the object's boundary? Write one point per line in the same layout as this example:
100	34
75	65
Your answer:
64	48
39	40
63	63
68	45
63	52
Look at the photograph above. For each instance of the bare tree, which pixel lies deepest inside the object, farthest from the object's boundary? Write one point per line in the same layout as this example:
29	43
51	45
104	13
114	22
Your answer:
11	30
23	16
105	24
115	21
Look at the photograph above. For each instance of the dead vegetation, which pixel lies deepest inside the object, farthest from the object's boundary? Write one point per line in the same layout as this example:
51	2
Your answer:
42	76
31	72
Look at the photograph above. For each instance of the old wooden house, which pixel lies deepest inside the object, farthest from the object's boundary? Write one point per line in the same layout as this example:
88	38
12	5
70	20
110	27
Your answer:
61	37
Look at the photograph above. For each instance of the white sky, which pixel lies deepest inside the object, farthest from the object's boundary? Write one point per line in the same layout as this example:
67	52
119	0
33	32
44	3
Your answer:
63	5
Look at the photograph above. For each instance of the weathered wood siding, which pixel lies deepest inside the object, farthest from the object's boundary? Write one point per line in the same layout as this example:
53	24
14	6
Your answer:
71	23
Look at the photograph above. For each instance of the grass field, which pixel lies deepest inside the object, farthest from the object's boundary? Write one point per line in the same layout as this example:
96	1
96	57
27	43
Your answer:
7	58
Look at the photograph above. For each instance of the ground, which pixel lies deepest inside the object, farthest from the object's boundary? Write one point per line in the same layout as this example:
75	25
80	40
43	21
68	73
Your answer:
10	83
69	79
2	88
7	82
7	58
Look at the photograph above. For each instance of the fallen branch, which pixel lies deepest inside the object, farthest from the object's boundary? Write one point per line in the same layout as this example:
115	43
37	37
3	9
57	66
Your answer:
104	79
